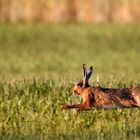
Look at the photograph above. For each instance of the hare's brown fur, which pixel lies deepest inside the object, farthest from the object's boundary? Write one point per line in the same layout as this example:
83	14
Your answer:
105	98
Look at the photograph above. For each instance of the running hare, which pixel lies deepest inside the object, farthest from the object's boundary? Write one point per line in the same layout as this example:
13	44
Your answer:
96	97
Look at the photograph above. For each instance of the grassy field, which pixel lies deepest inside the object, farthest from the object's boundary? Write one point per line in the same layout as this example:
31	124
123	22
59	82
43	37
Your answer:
38	65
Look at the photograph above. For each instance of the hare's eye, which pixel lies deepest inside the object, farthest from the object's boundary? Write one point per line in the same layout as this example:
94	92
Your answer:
80	84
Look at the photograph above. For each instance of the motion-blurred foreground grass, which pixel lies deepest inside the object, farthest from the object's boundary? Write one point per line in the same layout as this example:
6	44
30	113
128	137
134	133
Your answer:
38	65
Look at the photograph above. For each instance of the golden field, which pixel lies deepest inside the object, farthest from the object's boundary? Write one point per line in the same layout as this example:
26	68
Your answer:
81	11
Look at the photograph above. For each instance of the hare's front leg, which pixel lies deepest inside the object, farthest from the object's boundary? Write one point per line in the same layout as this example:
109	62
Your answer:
79	107
72	106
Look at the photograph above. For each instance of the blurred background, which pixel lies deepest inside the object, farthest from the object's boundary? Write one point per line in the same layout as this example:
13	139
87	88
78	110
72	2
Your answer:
54	38
81	11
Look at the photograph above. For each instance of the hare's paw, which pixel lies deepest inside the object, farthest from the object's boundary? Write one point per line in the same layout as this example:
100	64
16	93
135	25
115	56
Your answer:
65	107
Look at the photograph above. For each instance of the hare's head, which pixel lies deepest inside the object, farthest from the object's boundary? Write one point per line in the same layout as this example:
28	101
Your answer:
81	85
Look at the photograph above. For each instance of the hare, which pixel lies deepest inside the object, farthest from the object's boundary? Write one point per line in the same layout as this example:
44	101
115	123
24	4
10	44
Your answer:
96	97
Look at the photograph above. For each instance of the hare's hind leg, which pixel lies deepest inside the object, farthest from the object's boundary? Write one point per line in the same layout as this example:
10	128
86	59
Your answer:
136	105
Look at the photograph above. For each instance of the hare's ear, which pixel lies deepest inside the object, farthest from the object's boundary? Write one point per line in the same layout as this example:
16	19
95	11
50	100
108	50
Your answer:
87	77
89	73
84	69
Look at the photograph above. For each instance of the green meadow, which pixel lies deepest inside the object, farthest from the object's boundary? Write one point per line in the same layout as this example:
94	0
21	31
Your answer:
39	64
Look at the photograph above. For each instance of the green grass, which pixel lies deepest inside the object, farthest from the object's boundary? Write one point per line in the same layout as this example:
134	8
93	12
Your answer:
38	65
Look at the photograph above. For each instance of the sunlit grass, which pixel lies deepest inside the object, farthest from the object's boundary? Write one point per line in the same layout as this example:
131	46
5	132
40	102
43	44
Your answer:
38	65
